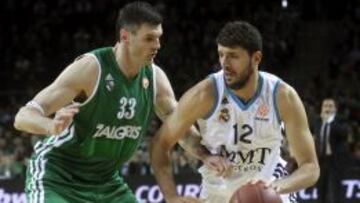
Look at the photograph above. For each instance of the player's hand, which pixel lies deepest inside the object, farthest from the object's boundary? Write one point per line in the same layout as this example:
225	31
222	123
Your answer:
63	118
276	185
218	164
180	199
255	181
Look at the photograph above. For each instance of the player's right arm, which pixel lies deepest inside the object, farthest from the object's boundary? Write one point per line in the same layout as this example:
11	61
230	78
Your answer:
194	104
78	78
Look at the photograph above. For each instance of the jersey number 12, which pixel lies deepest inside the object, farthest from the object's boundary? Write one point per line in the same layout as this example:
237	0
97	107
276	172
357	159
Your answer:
246	131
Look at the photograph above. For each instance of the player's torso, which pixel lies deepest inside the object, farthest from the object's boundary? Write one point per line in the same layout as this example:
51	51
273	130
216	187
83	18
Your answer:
247	134
114	121
110	124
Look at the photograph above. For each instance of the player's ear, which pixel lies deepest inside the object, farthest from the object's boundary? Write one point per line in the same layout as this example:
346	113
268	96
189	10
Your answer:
256	57
124	35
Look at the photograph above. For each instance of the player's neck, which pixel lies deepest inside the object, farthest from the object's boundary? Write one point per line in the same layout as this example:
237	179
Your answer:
126	63
249	90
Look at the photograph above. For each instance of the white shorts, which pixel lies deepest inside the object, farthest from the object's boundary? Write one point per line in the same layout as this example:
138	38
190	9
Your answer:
215	189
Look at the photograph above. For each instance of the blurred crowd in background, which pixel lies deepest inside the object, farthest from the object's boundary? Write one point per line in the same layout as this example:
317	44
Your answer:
40	38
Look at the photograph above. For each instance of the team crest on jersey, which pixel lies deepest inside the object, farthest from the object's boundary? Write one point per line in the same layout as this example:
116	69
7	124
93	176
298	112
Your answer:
109	82
145	83
224	115
262	112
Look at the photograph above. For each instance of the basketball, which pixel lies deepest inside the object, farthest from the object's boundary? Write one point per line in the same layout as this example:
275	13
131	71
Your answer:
255	193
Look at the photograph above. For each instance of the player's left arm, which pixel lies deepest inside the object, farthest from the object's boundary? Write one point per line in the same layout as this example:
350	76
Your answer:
301	144
165	104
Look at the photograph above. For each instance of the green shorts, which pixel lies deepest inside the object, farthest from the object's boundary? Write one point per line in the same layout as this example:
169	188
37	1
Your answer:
56	190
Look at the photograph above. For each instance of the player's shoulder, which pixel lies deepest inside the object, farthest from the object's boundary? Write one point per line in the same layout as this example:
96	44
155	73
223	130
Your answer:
286	94
158	71
269	76
203	91
283	89
155	67
87	61
199	99
83	66
83	71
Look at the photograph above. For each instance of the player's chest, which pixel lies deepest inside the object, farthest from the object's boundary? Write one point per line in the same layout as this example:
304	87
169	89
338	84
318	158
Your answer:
236	125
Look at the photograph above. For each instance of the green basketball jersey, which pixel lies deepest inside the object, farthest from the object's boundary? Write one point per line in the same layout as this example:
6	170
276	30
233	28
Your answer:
105	133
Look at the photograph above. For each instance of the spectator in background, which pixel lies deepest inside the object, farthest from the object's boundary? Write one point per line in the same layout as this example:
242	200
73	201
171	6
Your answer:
5	171
356	154
330	138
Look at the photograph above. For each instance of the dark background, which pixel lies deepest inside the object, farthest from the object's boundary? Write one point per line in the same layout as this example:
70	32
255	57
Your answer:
312	45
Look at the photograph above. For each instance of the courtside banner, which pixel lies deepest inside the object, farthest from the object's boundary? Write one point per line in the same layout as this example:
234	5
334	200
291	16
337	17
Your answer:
12	191
146	190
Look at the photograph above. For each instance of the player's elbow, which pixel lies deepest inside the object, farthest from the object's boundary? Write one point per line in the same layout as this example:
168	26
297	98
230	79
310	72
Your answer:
315	173
23	119
19	120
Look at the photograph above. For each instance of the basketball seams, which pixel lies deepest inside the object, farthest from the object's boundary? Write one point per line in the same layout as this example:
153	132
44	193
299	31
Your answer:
259	193
255	193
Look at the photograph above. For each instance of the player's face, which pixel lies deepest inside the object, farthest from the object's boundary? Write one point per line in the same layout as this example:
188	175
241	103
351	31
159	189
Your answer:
144	43
237	64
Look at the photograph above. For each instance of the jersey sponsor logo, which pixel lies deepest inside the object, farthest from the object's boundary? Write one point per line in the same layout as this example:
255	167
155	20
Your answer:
145	83
262	112
247	160
117	132
109	82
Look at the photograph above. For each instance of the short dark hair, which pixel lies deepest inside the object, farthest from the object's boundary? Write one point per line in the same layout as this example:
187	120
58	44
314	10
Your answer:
330	98
135	14
240	33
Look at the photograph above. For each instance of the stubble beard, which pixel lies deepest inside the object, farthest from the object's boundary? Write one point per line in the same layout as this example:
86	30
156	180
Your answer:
243	80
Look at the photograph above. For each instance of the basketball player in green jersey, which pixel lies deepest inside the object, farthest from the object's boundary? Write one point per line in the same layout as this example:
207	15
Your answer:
118	88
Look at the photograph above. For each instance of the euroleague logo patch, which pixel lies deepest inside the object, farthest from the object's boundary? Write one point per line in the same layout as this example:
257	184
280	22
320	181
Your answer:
262	112
145	83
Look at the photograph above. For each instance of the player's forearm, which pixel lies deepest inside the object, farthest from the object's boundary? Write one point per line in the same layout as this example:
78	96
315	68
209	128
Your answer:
31	121
305	176
163	171
192	144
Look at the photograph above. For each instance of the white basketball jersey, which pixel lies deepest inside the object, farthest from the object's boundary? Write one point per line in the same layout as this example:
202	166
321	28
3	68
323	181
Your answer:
247	134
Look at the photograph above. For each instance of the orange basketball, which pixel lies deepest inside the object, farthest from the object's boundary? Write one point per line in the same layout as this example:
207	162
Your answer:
255	193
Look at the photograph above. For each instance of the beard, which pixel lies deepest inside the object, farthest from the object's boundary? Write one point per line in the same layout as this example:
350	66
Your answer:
243	79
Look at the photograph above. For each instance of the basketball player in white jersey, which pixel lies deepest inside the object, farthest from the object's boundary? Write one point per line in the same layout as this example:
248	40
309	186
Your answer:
240	111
